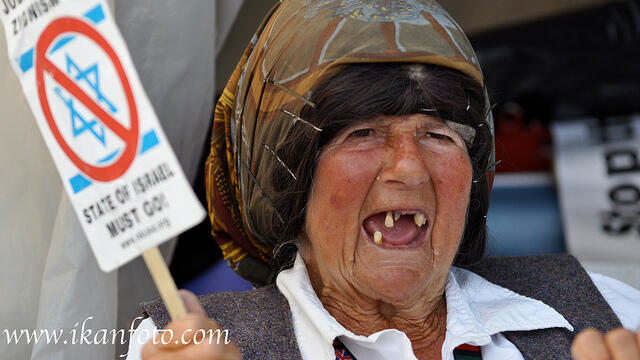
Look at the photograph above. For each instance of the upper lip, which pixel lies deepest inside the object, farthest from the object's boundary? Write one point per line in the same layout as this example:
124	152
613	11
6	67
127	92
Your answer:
403	210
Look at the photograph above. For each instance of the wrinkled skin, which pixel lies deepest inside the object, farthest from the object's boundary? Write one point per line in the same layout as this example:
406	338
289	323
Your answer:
388	163
402	162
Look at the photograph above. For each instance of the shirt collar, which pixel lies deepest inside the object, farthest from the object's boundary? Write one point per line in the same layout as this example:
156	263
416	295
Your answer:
476	310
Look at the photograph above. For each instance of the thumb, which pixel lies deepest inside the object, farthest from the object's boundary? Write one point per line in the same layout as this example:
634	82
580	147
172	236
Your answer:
191	302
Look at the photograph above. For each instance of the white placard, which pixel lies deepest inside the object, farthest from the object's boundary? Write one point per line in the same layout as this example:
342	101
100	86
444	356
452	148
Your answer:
117	167
597	165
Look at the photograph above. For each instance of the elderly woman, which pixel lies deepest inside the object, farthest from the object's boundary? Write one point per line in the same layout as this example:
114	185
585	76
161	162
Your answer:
351	163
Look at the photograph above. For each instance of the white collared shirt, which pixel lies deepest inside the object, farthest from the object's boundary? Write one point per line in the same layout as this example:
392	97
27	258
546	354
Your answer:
478	311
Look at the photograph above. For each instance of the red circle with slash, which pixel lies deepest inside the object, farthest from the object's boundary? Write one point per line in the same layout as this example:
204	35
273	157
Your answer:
128	135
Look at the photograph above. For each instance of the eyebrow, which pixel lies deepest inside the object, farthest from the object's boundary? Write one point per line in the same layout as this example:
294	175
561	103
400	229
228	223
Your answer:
432	122
377	120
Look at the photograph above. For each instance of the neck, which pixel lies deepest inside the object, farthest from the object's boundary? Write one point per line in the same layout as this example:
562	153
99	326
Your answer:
423	321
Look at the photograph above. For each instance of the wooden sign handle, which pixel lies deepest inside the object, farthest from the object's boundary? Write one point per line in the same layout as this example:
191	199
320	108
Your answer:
164	282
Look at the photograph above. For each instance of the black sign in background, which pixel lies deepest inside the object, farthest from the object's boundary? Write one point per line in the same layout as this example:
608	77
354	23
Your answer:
584	63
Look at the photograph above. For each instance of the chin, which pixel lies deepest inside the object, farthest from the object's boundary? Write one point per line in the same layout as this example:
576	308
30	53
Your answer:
396	283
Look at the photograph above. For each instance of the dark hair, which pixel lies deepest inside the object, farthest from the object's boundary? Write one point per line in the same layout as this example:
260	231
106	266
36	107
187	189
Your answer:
359	92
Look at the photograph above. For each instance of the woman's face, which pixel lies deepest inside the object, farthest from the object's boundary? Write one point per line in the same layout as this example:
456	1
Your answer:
382	176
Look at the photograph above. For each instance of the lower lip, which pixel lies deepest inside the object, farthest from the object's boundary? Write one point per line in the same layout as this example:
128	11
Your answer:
418	241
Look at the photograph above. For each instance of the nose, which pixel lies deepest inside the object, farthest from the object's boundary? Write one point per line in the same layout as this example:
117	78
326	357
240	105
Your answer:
405	164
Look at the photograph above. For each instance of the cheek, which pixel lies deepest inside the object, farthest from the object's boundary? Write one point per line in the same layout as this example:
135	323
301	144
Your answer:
452	185
342	180
453	179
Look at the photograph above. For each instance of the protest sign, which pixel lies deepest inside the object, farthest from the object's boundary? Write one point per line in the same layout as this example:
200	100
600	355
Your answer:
117	167
597	163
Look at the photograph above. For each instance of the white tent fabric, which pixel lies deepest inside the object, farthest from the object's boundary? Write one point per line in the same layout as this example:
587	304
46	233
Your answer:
74	290
49	278
29	200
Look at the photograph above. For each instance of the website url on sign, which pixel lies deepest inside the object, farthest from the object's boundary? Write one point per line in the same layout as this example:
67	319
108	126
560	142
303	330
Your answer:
82	334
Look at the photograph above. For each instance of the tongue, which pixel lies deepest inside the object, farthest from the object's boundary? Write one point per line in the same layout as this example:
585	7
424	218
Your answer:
403	231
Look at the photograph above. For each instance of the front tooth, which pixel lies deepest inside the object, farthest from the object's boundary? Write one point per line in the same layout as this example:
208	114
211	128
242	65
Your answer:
396	215
388	221
419	218
377	238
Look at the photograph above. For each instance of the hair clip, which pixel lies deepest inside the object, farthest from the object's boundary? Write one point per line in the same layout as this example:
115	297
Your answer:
489	110
280	161
255	180
297	117
486	114
495	163
486	171
291	92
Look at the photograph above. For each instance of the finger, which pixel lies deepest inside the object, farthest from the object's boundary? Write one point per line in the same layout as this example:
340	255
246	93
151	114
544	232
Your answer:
191	331
201	351
181	332
622	344
151	351
209	351
191	302
589	345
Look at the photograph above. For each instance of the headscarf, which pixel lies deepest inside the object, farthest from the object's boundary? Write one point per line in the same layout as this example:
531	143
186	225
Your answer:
299	42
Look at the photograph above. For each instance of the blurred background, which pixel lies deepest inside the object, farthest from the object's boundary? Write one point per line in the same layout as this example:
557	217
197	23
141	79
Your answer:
564	76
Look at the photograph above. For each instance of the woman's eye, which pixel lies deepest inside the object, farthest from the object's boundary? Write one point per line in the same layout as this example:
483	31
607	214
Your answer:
361	133
439	136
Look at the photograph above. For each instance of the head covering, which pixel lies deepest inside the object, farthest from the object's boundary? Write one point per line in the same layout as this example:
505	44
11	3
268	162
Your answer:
300	42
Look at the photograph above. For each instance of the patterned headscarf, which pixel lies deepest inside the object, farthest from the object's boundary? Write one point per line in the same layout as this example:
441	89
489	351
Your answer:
299	42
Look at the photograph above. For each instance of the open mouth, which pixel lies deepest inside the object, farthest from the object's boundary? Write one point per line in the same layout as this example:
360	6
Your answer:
400	228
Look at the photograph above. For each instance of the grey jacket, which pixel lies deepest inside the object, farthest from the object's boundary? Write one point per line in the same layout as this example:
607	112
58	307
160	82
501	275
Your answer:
259	321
